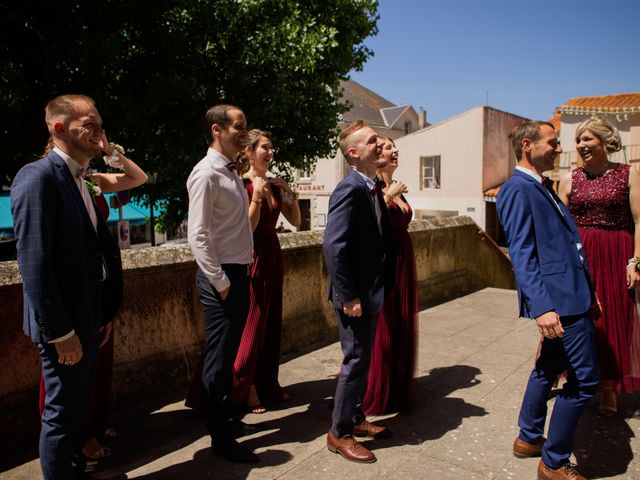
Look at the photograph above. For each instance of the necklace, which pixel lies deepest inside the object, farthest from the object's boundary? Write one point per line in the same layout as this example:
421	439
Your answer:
601	172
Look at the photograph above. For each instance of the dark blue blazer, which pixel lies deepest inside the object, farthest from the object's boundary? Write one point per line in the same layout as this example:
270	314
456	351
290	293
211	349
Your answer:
61	256
360	259
545	248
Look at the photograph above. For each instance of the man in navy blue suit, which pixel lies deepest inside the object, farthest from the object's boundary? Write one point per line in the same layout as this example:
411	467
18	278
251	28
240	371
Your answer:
358	250
71	275
555	289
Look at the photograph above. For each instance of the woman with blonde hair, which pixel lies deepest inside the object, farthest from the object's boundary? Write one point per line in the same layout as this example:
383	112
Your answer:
604	199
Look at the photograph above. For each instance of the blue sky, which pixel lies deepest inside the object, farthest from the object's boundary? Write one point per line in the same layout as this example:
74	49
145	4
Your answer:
530	56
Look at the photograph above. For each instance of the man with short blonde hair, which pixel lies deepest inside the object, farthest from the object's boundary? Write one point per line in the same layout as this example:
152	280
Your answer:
358	248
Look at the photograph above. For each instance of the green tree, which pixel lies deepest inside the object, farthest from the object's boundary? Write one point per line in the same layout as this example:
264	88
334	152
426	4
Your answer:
153	68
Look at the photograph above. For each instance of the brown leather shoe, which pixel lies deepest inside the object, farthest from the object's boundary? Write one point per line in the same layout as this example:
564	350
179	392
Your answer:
350	449
565	472
522	449
366	429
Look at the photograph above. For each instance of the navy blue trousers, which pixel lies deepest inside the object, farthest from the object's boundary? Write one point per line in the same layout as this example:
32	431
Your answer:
67	393
224	322
575	351
356	341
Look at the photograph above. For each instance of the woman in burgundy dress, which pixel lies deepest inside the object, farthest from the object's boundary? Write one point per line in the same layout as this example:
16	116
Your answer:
390	381
255	382
604	199
97	414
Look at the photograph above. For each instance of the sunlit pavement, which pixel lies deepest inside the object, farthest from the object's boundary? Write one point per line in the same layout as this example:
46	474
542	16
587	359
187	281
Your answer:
474	359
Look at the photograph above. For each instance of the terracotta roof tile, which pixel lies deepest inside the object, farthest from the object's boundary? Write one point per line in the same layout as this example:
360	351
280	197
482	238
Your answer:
620	103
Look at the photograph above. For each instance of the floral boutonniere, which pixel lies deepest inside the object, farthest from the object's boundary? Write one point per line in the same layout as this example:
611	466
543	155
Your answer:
93	187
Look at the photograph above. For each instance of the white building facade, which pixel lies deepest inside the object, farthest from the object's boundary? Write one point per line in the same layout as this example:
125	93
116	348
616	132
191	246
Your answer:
448	167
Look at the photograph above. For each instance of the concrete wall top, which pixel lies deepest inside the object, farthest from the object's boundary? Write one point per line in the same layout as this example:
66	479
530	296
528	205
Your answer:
150	257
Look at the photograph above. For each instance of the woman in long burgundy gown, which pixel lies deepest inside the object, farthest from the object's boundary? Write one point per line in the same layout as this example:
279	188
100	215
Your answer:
604	199
255	381
391	374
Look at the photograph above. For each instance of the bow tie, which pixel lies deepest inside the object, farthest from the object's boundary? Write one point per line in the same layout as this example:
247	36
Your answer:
378	186
232	166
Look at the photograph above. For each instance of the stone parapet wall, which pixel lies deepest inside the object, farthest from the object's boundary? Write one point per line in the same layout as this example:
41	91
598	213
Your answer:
158	332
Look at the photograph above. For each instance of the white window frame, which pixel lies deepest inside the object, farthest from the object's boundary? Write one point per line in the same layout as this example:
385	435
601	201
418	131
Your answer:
430	172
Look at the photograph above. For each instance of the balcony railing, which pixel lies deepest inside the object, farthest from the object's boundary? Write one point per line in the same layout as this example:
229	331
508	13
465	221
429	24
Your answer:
628	154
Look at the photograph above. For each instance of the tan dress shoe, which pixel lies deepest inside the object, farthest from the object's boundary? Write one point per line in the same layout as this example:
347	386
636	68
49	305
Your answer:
565	472
522	449
366	429
350	449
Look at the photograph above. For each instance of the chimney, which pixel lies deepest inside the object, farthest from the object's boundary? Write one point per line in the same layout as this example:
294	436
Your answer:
422	118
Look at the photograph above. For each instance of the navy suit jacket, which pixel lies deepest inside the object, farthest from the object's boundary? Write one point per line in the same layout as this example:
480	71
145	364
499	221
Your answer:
545	248
360	258
61	256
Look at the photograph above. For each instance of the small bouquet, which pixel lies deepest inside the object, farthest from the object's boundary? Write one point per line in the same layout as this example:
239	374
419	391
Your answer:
113	160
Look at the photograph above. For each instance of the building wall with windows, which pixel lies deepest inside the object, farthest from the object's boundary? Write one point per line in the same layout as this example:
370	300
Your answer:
453	188
448	166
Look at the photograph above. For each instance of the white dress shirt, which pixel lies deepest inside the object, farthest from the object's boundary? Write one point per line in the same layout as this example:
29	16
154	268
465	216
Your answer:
218	227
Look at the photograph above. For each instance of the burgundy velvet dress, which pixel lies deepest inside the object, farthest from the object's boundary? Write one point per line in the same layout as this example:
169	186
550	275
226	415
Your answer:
600	207
393	358
258	358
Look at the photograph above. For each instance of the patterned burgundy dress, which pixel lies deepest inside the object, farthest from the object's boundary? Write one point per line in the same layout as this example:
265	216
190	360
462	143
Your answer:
390	381
600	207
258	358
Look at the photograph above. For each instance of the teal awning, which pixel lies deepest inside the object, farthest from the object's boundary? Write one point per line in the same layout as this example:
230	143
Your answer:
6	220
133	211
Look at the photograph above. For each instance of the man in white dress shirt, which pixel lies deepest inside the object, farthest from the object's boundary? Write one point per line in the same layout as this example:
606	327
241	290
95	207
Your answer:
220	236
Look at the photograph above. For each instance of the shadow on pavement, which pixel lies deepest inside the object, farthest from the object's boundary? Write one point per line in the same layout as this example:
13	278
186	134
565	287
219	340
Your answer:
434	413
204	467
603	444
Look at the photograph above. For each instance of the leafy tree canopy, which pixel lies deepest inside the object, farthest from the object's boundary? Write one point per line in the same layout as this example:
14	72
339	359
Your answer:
155	66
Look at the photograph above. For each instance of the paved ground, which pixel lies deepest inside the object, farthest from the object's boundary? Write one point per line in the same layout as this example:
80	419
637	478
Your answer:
474	360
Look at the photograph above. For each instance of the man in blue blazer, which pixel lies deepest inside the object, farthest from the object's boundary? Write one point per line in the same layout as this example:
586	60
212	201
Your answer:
71	275
554	288
358	249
